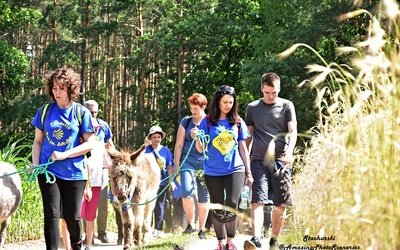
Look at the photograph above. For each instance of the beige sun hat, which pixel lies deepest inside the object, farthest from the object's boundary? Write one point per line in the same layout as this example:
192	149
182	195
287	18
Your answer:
156	129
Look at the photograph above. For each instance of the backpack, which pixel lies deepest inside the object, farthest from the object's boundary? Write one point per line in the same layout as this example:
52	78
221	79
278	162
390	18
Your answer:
45	112
209	122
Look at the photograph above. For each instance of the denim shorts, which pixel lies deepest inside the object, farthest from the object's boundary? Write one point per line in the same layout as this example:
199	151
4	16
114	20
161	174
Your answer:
190	184
271	183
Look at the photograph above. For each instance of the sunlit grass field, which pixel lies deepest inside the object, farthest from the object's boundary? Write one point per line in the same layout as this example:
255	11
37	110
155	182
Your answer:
347	189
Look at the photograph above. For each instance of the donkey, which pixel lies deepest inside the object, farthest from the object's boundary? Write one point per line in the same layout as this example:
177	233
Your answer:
10	196
134	179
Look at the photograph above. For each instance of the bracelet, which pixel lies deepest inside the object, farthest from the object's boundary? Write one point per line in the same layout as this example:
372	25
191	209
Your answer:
247	174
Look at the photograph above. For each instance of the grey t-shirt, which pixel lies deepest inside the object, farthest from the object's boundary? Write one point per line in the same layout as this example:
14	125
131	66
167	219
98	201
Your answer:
269	120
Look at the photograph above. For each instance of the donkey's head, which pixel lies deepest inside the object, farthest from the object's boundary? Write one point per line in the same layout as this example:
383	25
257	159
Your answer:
124	174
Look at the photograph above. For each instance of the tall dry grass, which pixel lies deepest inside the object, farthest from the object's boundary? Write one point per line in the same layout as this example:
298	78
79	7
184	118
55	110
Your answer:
349	185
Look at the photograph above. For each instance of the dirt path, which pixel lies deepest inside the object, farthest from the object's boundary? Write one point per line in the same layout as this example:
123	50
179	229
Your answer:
196	244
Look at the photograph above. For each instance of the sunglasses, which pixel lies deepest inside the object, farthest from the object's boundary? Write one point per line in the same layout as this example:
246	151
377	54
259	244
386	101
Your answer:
225	89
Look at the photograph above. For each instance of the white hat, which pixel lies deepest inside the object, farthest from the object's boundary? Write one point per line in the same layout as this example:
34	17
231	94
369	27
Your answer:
156	129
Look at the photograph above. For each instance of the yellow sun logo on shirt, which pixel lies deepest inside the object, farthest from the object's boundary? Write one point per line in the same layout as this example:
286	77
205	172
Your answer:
224	142
58	134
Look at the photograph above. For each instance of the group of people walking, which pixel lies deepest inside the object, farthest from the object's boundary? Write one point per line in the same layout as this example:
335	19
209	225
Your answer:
230	150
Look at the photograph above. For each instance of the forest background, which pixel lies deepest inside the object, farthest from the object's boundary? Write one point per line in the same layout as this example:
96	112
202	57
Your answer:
141	60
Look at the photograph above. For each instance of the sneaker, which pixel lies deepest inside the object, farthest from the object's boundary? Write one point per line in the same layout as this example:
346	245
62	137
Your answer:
88	248
202	235
220	246
230	246
273	244
252	244
103	237
119	242
189	230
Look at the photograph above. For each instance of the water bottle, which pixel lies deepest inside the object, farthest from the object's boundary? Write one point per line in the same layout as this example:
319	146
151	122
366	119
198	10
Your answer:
244	197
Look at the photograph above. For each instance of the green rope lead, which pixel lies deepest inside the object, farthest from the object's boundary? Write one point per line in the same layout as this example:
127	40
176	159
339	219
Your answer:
205	139
42	169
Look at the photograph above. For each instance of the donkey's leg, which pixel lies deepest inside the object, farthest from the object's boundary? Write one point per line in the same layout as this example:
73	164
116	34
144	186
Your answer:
148	215
3	229
138	212
127	225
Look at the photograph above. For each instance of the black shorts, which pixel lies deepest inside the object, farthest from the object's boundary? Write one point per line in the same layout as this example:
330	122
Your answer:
271	183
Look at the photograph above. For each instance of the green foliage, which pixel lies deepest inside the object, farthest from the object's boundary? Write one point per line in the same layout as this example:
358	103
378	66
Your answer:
11	153
29	212
13	65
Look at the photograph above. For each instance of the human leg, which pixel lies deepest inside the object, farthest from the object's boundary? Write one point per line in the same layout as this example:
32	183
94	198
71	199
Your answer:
260	196
268	208
281	188
51	208
102	215
72	193
168	207
203	204
278	219
233	191
65	235
119	225
88	214
187	186
159	212
217	198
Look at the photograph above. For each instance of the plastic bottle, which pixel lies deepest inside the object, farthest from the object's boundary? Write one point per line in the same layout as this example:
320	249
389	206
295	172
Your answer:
244	197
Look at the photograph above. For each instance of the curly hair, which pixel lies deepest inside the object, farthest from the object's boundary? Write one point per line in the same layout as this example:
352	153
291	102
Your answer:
67	77
215	112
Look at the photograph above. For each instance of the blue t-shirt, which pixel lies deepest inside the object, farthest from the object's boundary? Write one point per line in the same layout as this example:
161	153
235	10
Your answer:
165	158
223	152
103	134
193	153
61	133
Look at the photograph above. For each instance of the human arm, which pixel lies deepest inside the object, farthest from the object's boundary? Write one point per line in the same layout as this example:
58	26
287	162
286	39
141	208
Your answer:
37	146
110	143
249	140
291	139
83	148
199	145
87	194
180	141
170	170
244	153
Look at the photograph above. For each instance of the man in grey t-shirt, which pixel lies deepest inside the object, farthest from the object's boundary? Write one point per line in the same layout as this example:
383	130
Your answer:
273	126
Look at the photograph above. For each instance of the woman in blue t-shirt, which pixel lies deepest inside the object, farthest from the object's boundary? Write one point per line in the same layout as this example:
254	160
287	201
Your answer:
228	166
187	161
164	159
59	125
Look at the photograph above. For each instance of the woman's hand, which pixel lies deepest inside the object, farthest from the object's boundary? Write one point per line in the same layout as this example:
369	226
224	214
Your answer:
194	131
88	194
58	156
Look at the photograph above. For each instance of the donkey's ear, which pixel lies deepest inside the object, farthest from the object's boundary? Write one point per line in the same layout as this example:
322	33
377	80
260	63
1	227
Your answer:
137	153
112	152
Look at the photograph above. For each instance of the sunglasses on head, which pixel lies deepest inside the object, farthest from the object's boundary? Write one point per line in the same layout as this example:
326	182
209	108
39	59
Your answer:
225	89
